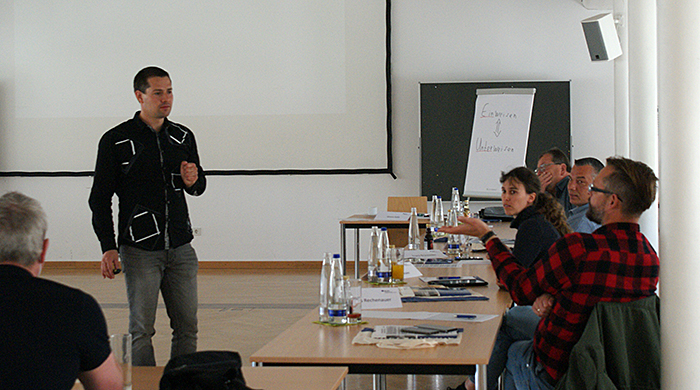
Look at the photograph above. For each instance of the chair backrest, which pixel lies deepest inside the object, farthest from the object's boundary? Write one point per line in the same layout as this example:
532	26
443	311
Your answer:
405	203
399	237
620	348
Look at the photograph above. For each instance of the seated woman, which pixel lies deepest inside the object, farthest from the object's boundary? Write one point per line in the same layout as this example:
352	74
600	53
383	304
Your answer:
540	221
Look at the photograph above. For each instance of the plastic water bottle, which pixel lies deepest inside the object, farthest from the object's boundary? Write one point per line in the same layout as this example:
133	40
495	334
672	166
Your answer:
413	231
453	239
374	253
439	215
323	293
337	299
456	203
433	210
384	267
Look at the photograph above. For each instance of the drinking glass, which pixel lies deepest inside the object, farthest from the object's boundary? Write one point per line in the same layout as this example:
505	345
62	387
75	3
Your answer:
121	347
354	291
396	266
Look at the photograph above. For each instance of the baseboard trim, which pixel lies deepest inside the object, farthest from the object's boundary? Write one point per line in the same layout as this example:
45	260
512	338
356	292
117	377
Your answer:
205	265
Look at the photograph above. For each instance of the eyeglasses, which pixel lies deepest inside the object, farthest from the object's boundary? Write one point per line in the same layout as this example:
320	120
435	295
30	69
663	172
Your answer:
543	166
592	188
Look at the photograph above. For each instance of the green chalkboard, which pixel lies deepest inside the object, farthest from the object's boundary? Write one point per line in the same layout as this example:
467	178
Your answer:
447	115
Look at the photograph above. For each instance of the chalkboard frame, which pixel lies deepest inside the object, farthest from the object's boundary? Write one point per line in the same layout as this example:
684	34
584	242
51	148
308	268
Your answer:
447	115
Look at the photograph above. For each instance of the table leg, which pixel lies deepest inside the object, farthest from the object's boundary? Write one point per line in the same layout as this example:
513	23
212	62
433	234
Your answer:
357	253
480	377
379	381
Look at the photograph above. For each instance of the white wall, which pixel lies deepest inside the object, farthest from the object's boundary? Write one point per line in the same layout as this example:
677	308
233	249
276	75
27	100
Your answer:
296	217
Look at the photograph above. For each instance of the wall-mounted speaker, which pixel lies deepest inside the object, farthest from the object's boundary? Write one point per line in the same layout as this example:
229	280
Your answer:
601	37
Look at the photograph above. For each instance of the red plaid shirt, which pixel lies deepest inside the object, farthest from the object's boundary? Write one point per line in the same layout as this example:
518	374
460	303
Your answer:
615	263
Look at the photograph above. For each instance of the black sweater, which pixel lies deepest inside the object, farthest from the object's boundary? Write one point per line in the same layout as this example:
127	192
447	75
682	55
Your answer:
143	168
534	237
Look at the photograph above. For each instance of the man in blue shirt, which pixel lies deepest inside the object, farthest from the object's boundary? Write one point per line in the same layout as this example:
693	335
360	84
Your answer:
582	174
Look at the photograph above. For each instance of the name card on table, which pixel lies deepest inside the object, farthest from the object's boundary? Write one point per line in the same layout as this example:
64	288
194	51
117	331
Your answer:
380	298
392	216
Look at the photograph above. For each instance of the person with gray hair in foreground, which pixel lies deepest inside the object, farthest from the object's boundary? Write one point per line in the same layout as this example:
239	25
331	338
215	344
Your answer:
52	333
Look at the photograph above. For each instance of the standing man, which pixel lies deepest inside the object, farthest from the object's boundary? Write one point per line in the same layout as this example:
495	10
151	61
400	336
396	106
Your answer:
553	170
582	174
51	333
150	163
616	263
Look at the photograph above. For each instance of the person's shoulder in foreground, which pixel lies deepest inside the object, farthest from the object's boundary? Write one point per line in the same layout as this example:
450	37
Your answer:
52	333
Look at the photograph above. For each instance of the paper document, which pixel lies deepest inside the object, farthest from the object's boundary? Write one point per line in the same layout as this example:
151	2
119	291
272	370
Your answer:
410	271
427	315
397	315
423	254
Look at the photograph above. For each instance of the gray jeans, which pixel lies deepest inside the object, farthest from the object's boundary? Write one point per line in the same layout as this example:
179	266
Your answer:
173	272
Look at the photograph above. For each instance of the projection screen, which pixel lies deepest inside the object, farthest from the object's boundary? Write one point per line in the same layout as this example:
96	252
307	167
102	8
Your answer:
289	86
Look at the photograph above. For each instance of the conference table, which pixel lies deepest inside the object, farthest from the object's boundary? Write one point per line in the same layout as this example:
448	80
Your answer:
358	222
306	343
267	378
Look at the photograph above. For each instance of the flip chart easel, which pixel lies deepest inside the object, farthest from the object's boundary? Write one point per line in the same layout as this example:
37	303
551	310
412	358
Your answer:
447	111
499	137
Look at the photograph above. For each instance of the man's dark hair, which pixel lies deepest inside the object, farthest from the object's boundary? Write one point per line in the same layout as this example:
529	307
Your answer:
633	182
591	162
558	157
141	78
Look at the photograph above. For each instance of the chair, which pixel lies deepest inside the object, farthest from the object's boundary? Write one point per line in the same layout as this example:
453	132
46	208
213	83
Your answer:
399	237
620	348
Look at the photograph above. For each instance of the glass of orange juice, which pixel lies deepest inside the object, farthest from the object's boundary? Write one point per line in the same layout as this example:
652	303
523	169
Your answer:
396	266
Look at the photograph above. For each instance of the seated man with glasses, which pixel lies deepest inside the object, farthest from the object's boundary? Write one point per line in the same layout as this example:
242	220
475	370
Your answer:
582	174
553	171
616	263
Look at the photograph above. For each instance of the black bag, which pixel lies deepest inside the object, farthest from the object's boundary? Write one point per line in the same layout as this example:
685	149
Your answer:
205	370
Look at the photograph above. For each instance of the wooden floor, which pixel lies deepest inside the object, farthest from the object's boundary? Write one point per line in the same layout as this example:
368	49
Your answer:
239	310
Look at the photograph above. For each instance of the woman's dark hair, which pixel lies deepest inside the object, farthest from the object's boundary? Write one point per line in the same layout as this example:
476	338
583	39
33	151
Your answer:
545	203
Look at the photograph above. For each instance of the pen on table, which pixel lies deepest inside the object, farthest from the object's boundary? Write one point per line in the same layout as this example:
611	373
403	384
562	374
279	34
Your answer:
466	316
448	277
